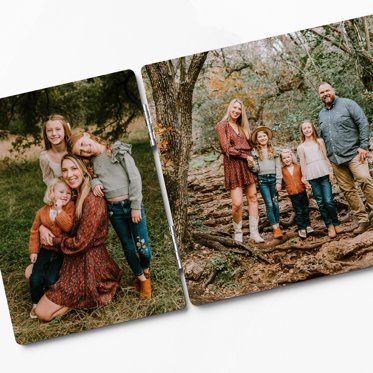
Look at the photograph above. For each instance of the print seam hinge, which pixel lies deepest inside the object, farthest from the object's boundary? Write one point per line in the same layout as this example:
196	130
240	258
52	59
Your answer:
149	125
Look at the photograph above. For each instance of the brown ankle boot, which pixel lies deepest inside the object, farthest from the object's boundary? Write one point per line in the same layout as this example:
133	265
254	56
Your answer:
136	281
277	232
145	289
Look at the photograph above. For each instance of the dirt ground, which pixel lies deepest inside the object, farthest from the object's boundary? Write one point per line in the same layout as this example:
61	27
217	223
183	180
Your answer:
216	267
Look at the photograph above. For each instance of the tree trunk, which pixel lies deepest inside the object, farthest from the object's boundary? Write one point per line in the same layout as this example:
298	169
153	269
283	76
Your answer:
172	87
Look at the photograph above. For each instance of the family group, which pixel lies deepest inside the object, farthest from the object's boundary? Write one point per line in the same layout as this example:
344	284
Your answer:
340	153
88	182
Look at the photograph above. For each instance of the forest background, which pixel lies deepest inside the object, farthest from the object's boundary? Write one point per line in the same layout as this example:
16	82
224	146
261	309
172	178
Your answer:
277	78
108	106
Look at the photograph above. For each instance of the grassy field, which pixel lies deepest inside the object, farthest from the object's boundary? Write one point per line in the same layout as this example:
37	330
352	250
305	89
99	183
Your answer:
21	193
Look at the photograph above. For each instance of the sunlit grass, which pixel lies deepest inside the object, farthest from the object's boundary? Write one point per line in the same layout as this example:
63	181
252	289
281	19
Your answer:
21	193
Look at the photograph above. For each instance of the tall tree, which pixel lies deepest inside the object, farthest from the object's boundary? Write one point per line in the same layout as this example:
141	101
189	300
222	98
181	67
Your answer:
172	85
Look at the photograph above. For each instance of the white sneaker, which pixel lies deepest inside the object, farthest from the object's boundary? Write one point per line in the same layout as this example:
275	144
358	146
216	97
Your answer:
309	229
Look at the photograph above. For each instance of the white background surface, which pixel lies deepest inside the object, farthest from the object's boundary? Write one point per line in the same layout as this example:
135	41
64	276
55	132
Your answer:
322	325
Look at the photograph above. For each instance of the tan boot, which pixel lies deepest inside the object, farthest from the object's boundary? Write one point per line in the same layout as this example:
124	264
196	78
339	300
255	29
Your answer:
277	232
145	289
136	281
237	235
254	230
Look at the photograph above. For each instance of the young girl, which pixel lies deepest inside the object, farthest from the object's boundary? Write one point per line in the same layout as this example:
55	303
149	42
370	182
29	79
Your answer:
292	177
118	180
57	215
269	175
317	171
56	132
233	134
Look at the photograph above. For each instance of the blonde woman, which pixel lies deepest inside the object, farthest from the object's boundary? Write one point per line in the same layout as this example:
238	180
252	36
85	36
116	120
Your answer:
233	134
88	277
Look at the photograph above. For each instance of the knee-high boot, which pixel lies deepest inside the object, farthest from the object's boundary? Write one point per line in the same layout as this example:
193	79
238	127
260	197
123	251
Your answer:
254	232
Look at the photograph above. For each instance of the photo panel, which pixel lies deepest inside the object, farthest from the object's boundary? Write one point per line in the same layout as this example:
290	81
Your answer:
107	256
226	120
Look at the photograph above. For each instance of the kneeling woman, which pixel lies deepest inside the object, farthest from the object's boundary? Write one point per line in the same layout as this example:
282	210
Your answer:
88	278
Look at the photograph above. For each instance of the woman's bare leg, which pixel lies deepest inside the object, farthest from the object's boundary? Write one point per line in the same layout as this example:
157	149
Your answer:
252	200
237	203
46	310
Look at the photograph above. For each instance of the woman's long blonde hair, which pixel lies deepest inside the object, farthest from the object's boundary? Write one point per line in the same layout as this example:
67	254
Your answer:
242	121
85	187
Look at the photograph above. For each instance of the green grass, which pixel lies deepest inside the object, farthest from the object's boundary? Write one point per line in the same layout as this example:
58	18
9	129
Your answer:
21	194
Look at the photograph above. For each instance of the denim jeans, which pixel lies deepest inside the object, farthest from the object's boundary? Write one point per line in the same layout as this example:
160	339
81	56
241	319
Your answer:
133	237
267	187
45	272
322	191
301	208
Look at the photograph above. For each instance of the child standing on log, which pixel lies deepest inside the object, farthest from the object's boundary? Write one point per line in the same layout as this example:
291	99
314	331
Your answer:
296	189
317	171
269	175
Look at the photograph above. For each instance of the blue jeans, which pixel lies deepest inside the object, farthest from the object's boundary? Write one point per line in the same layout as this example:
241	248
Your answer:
322	191
45	272
267	187
133	237
301	208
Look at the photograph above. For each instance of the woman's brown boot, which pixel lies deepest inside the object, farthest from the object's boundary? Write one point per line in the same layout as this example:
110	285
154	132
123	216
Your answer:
136	281
145	289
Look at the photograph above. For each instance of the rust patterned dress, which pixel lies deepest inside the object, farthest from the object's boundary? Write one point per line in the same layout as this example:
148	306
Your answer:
88	277
236	148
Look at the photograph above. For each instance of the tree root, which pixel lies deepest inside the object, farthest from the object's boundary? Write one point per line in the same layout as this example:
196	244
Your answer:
221	243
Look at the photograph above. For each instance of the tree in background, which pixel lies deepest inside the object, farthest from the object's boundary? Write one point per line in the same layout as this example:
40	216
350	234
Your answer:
110	102
172	85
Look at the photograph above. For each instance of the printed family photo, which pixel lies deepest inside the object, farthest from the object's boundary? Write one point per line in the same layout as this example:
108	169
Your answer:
265	148
85	240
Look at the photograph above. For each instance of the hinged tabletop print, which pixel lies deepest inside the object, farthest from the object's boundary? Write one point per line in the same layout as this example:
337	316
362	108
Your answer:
85	239
265	149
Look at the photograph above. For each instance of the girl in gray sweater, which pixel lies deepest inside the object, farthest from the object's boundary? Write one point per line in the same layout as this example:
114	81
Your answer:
268	168
117	179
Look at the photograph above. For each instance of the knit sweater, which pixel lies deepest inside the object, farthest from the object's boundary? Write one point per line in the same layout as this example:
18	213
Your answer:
63	223
118	174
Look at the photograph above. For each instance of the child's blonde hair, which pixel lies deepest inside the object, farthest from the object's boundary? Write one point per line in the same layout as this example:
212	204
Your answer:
288	151
65	125
315	135
49	196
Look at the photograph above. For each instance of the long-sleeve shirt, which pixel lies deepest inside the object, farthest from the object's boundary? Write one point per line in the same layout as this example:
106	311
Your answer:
344	128
118	174
62	223
267	166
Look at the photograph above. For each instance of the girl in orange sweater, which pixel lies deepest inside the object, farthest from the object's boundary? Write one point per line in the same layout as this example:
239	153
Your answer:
292	178
57	215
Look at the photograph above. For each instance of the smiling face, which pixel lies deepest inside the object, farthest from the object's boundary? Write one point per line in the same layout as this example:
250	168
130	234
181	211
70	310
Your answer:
235	111
55	132
307	129
287	158
262	138
85	146
62	192
72	173
327	94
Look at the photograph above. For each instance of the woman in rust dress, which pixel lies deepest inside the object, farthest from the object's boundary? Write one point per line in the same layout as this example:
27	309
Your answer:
233	134
88	278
